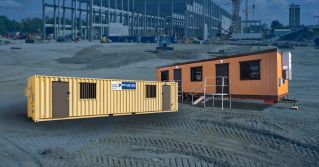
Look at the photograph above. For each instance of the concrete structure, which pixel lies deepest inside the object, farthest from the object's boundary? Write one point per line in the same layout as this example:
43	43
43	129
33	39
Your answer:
91	19
251	26
250	30
294	15
247	36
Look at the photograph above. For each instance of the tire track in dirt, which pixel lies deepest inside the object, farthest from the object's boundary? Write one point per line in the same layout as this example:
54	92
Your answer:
258	137
105	160
204	113
142	162
80	145
204	153
20	155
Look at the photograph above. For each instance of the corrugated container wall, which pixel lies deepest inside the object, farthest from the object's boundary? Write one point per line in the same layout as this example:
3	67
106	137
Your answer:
102	98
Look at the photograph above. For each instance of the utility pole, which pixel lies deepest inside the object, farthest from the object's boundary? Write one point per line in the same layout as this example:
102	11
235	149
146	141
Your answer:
158	15
80	18
63	18
145	18
172	26
43	19
75	20
72	18
59	18
91	21
128	13
122	10
246	13
115	11
101	20
133	17
54	15
109	13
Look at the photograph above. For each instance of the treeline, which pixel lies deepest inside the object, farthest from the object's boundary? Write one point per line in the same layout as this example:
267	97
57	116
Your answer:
29	25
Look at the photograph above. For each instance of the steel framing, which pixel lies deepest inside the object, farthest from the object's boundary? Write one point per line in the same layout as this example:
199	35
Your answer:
91	18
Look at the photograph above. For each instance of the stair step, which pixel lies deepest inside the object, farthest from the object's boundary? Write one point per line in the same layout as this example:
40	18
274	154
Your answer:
198	100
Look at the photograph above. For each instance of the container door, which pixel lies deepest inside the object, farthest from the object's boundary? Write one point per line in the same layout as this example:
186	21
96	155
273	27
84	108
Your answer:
178	78
60	99
166	98
222	70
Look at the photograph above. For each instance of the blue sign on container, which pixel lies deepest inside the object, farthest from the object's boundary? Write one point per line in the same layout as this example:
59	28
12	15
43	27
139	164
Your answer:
129	85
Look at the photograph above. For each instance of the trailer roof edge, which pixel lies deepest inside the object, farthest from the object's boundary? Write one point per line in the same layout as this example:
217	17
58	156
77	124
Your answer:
223	57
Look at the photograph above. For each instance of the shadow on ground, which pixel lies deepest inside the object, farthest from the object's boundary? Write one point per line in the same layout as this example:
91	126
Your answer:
240	105
15	118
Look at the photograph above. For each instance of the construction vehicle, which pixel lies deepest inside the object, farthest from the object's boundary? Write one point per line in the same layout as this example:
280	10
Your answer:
104	39
163	43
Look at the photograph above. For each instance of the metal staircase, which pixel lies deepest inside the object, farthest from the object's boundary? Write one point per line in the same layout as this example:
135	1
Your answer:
202	90
198	100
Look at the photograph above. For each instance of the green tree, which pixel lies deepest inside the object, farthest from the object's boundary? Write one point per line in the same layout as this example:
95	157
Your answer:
31	25
7	25
264	27
276	25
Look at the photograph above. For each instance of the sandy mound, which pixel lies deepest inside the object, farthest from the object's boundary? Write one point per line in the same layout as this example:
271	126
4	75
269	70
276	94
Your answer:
96	57
181	54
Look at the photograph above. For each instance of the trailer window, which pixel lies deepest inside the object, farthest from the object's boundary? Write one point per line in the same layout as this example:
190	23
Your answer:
250	70
165	76
150	91
197	74
87	90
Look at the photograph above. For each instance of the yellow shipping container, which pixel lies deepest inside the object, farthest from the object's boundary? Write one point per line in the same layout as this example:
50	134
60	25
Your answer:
59	98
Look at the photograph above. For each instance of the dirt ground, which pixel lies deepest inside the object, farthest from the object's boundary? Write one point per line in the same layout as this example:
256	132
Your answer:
248	135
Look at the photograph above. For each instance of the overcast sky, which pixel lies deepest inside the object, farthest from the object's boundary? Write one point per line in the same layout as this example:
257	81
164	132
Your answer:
266	10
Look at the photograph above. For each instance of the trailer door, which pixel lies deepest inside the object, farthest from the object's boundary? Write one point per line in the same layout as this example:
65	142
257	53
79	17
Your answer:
166	98
222	70
60	99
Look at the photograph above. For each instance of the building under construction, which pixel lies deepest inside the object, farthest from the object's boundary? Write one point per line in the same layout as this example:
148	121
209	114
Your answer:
92	19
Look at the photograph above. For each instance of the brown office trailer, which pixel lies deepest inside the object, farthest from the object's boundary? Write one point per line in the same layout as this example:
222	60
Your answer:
259	75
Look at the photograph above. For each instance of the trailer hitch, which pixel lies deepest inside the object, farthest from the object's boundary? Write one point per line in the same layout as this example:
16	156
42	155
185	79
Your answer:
294	101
